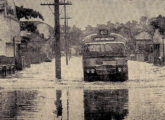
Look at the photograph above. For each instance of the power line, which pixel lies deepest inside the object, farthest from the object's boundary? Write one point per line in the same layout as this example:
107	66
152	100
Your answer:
61	11
50	9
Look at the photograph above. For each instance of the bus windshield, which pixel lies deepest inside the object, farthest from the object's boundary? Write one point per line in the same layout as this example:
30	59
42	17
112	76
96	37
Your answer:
114	49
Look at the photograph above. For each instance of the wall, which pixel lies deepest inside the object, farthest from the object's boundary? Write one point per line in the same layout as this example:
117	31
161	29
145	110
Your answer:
140	57
157	38
159	52
9	29
9	50
5	28
2	48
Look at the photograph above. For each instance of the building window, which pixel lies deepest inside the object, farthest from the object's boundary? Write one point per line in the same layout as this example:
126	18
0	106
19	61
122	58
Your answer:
10	11
2	7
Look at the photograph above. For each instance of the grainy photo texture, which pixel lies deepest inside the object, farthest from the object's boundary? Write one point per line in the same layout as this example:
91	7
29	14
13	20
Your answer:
82	59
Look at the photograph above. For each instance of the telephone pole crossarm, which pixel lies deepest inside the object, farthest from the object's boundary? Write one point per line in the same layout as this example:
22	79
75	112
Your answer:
67	3
47	4
66	18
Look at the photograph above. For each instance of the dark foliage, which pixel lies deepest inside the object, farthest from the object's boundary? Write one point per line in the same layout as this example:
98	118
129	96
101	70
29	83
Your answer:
159	23
27	13
29	26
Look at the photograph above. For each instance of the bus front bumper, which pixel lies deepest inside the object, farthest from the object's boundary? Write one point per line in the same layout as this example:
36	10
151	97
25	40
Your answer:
106	70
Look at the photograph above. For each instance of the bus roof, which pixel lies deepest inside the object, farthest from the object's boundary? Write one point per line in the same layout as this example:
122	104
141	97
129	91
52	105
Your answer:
93	43
118	38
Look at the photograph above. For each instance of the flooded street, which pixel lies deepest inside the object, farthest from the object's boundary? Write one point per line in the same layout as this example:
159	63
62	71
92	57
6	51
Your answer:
35	94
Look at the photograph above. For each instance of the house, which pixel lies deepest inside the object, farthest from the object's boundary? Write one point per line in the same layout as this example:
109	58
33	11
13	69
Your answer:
159	47
37	46
144	47
9	32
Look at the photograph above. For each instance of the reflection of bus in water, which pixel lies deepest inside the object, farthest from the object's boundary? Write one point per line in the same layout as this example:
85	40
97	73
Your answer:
104	55
105	104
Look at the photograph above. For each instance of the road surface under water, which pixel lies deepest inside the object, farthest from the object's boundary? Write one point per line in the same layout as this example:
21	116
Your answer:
35	94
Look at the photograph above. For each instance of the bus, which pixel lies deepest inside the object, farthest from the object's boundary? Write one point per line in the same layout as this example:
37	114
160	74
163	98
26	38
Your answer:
104	56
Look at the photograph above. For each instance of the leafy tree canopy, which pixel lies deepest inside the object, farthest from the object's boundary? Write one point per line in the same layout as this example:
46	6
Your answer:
29	26
159	23
27	13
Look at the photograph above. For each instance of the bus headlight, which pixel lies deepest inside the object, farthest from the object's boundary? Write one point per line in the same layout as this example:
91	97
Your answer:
120	69
92	70
88	71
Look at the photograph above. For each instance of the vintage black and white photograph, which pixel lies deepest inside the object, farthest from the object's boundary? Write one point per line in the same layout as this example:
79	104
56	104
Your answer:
82	59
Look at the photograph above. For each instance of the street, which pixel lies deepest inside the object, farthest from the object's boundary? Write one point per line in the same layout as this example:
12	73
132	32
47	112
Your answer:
34	94
54	55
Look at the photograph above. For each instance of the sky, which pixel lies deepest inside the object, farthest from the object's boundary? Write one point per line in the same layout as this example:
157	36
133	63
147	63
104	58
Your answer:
93	12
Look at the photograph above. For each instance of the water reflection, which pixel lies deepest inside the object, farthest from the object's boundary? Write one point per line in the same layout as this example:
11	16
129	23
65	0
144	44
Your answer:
64	104
106	104
58	104
78	104
17	104
69	104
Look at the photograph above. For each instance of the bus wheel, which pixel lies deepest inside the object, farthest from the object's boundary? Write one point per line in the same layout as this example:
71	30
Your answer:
88	77
124	77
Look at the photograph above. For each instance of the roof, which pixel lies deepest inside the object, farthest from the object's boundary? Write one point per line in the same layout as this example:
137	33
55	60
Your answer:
143	36
94	43
87	38
117	37
37	23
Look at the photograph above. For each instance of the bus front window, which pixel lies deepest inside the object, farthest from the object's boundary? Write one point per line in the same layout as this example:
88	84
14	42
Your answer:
94	48
114	49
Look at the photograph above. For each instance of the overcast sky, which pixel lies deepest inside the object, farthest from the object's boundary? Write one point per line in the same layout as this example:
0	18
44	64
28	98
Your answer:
93	12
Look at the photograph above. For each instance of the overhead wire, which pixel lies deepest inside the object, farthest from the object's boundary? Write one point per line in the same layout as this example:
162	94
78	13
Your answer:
50	9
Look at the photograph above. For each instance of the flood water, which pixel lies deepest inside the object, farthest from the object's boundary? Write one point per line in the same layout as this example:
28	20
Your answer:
35	94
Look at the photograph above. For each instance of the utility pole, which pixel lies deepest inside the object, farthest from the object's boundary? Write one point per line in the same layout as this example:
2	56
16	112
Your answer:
66	35
56	5
66	32
68	41
163	50
66	46
14	48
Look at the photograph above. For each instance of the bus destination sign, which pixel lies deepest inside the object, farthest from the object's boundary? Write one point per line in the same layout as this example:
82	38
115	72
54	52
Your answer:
103	32
104	39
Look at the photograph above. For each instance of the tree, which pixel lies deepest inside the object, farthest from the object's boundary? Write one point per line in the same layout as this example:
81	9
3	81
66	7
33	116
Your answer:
143	20
159	23
75	35
27	13
29	26
89	30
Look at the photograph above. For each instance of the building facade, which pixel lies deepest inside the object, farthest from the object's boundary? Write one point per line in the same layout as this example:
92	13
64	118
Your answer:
144	47
159	48
9	30
37	47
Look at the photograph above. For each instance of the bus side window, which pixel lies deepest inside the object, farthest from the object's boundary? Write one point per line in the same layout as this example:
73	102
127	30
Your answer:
102	47
86	49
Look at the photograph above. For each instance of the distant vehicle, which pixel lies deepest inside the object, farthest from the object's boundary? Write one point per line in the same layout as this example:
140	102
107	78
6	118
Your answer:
104	57
62	53
48	60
